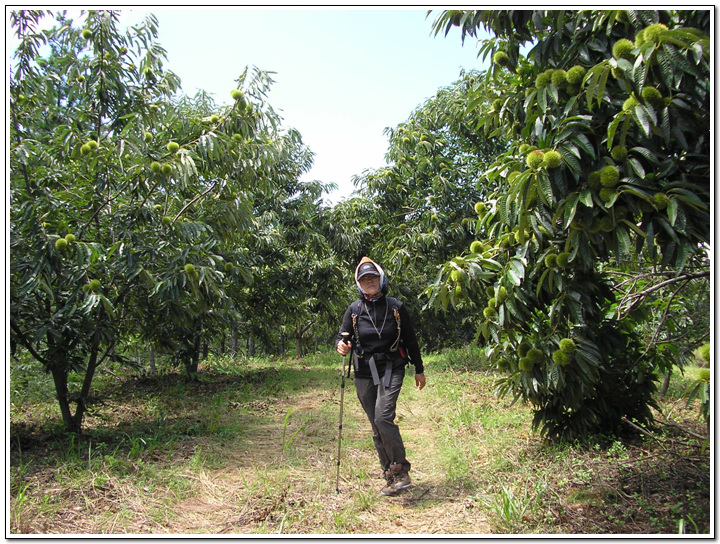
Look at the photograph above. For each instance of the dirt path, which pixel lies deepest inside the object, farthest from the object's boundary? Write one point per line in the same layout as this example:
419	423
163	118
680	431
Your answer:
263	489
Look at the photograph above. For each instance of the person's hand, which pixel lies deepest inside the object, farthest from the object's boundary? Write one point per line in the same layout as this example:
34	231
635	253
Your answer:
343	348
420	380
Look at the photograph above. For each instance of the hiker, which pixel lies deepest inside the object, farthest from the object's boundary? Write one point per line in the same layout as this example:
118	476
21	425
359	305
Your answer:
383	342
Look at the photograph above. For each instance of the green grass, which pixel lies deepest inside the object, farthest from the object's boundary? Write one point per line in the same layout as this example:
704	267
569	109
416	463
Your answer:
252	449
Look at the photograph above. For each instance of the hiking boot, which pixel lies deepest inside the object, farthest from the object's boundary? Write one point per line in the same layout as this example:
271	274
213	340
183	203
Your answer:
402	481
397	479
389	488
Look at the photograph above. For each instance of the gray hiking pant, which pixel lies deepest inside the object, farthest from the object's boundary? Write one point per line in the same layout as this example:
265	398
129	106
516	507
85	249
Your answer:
379	403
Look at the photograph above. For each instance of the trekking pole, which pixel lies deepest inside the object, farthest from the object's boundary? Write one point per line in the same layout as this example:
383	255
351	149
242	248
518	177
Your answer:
342	398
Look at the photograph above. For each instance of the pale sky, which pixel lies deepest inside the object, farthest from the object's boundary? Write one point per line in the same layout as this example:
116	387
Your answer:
342	75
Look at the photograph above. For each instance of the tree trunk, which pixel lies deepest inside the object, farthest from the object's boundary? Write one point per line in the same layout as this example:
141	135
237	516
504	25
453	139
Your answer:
59	374
298	345
666	384
151	356
87	382
234	338
250	346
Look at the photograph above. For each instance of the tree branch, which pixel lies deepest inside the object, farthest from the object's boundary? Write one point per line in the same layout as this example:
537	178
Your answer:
25	342
634	298
194	200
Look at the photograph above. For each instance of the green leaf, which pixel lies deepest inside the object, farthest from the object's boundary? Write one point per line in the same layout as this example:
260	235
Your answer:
544	188
672	210
612	128
644	119
586	198
516	273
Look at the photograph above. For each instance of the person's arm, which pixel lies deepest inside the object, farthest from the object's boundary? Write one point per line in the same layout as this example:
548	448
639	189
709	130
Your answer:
340	342
410	340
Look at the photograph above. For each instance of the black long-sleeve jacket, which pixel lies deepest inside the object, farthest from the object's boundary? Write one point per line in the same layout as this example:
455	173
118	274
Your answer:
377	327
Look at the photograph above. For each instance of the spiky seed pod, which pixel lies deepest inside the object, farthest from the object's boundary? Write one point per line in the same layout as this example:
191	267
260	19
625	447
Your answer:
523	149
490	313
173	147
652	32
456	276
189	268
94	285
550	260
236	94
594	180
167	221
87	33
542	80
92	144
503	364
525	364
536	356
502	294
563	259
552	159
237	137
85	149
166	169
70	238
652	96
704	352
512	175
618	153
214	118
480	208
148	137
534	159
559	78
61	243
572	89
704	375
630	103
567	345
229	267
575	75
476	247
661	200
606	194
640	38
155	167
609	176
523	348
508	240
492	302
561	358
623	49
622	16
501	58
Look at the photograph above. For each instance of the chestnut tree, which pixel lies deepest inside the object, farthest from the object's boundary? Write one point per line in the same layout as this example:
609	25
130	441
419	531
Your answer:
129	202
607	113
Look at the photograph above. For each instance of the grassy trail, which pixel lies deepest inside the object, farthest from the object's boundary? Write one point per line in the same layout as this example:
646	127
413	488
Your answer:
252	450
